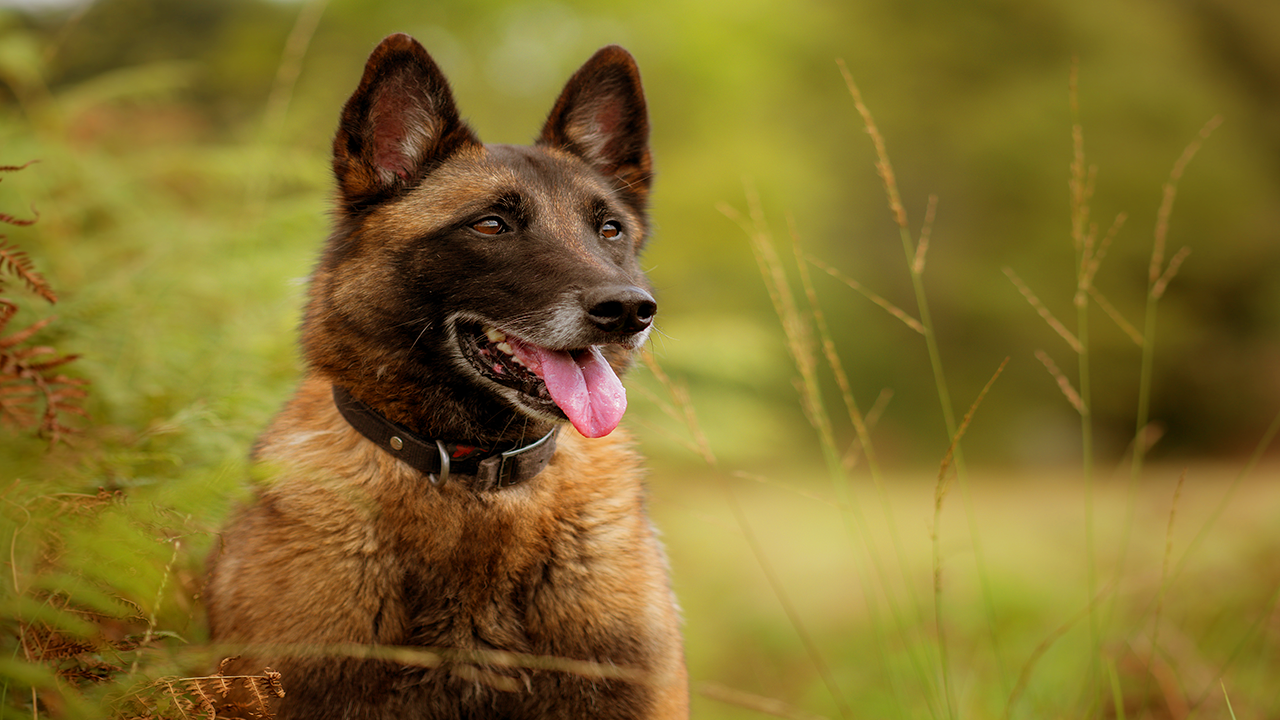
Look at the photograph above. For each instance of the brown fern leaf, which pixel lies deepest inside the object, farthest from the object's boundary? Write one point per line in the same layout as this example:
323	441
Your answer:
242	696
12	220
32	366
15	262
273	681
24	335
17	403
14	168
24	384
42	643
202	698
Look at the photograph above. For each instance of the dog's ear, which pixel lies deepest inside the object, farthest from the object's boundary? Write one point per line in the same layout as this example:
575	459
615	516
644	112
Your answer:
601	118
400	122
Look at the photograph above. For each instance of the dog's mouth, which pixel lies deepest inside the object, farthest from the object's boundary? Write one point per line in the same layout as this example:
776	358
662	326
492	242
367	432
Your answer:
576	384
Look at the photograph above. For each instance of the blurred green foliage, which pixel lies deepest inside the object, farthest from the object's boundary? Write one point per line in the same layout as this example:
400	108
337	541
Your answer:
183	185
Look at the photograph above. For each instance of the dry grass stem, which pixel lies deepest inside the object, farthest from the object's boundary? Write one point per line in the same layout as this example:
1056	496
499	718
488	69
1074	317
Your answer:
833	361
940	492
753	702
1116	317
1083	178
1092	260
882	155
889	307
872	417
922	247
681	399
1024	677
160	591
295	49
680	410
1170	192
1175	262
1230	710
807	494
1164	567
1259	451
878	407
795	324
1064	384
435	657
1044	312
670	410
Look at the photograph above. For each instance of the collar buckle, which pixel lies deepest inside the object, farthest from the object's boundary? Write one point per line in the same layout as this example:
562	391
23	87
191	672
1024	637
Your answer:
507	468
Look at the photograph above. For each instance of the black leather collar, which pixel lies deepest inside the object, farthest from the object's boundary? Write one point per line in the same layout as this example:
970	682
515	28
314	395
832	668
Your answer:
484	469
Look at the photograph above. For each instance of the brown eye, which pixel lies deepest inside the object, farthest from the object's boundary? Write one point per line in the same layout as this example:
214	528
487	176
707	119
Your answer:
489	226
610	230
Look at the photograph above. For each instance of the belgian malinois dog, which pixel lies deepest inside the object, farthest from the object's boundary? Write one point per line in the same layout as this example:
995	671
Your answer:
422	492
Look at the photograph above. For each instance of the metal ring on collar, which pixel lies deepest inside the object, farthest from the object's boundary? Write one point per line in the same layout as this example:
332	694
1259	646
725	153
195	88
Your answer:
439	481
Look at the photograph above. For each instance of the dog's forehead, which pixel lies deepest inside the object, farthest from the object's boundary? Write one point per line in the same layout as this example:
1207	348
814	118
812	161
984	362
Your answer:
552	181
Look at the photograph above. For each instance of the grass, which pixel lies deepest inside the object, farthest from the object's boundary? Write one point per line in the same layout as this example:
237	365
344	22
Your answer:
1105	656
1033	531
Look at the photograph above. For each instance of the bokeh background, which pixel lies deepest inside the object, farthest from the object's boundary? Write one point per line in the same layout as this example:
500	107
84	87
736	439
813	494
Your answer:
182	190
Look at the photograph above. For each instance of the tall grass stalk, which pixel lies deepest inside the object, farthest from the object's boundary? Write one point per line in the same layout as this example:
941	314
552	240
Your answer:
940	494
1259	450
1090	250
856	418
1033	660
1230	710
915	253
277	105
1081	187
1164	576
798	327
682	410
1159	275
839	470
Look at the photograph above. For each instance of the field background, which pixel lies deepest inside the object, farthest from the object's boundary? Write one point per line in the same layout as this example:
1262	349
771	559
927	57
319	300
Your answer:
181	192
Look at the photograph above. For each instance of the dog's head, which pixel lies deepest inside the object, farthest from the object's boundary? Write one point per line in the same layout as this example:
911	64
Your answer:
483	291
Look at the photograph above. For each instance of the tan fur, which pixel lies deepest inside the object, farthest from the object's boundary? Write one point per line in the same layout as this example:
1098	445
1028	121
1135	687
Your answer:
340	515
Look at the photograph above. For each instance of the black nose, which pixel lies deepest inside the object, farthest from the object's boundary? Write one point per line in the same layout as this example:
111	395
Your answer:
620	308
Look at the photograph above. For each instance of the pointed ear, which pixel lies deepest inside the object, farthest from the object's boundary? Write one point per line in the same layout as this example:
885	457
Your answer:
400	122
601	118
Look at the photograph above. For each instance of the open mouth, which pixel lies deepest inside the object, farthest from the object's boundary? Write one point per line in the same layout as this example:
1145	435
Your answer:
577	384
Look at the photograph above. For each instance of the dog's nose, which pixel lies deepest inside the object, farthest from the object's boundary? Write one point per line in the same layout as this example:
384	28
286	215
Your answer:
620	308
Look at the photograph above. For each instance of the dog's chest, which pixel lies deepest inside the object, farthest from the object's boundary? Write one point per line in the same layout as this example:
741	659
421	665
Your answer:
483	572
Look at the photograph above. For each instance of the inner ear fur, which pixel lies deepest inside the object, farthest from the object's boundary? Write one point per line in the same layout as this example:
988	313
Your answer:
400	121
601	117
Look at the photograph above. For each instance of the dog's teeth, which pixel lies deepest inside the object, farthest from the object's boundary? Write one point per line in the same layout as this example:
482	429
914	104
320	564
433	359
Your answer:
516	359
505	347
495	335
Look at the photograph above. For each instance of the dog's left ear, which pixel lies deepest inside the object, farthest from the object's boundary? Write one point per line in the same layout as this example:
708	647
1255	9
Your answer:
601	118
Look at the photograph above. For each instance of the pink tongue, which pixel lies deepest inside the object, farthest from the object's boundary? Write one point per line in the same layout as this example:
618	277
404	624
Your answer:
582	384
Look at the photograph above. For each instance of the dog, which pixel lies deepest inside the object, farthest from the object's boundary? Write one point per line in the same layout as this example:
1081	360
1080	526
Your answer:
448	482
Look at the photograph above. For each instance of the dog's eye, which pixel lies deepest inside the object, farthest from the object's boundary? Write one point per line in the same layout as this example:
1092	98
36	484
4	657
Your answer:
610	230
489	226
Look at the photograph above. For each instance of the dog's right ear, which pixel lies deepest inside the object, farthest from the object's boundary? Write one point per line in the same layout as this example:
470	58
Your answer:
400	122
